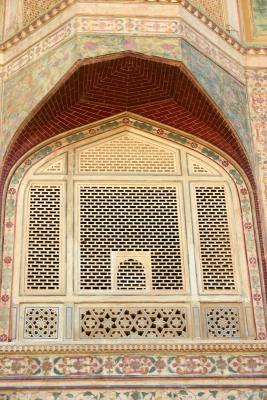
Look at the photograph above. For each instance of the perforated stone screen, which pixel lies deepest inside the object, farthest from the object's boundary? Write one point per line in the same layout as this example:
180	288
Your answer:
129	238
32	9
44	237
223	321
41	322
127	154
133	322
215	242
129	219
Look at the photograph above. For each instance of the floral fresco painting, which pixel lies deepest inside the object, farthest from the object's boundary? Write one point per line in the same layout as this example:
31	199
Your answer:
259	8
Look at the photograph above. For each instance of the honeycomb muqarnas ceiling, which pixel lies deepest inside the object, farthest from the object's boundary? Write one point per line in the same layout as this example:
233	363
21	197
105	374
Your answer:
161	91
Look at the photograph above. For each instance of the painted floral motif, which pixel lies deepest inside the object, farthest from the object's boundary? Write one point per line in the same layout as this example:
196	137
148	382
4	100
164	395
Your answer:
166	47
134	365
127	26
145	126
227	92
182	394
25	89
257	89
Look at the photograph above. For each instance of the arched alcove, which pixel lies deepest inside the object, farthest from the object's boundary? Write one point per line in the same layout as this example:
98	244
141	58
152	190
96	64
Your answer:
148	182
153	87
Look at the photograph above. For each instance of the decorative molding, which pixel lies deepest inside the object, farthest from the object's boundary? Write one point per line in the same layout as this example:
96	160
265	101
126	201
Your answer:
210	393
129	27
58	8
35	24
191	347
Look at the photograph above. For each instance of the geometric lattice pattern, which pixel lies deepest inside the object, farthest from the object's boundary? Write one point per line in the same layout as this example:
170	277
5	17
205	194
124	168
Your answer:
33	9
120	218
131	275
127	154
41	323
215	244
44	237
215	9
133	322
223	322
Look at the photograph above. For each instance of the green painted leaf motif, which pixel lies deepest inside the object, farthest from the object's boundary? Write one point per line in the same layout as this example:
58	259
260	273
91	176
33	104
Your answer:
143	126
183	392
10	207
214	393
200	394
56	395
245	206
237	177
210	153
136	395
6	279
57	371
109	125
231	397
4	318
75	137
177	138
56	360
99	360
262	395
213	369
17	176
43	152
37	372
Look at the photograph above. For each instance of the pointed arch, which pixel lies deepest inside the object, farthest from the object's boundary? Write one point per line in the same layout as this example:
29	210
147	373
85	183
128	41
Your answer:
152	87
198	147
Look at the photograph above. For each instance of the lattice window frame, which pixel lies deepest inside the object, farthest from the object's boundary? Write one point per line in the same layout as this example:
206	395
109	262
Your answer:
144	141
135	308
232	238
185	181
57	310
142	257
208	307
217	12
182	235
62	245
33	9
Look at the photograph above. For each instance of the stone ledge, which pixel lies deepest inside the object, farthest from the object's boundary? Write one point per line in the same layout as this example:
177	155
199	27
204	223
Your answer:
200	347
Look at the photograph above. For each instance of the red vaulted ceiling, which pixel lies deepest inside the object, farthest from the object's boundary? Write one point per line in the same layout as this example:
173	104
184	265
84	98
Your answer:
157	90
